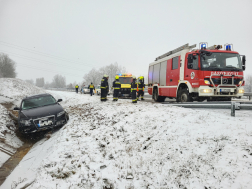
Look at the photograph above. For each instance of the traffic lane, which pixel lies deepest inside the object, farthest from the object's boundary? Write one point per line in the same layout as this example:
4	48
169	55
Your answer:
148	98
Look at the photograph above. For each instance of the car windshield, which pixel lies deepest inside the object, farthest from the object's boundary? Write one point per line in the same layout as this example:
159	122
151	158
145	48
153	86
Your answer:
125	80
221	62
38	102
85	87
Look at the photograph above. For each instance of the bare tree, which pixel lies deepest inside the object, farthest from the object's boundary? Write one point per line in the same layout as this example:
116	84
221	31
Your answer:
70	85
30	81
248	83
47	85
92	76
95	76
111	70
59	81
40	82
7	66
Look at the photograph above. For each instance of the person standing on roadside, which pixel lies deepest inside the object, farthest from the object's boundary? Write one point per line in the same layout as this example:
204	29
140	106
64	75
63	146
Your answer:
134	90
91	88
117	87
77	88
140	88
104	87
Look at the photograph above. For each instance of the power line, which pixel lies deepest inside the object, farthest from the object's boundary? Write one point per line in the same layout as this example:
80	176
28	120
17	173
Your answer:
38	52
36	68
37	60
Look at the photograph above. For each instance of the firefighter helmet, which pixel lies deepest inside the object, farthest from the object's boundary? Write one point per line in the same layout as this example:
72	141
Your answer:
134	77
105	75
116	77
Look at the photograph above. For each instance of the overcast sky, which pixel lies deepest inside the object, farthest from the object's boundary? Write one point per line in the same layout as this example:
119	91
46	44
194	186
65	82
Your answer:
70	37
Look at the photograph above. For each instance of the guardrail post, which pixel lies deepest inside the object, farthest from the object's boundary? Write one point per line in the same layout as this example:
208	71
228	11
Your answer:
233	109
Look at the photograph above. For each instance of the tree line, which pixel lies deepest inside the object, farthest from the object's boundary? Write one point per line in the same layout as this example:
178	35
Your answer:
95	75
58	81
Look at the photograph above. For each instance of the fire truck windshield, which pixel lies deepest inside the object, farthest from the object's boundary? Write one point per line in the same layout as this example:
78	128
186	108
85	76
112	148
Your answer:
221	62
125	80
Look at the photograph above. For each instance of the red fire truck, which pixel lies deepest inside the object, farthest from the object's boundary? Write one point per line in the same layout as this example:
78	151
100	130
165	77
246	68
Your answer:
189	74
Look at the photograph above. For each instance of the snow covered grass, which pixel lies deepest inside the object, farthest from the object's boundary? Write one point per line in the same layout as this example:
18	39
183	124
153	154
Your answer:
12	89
8	139
143	145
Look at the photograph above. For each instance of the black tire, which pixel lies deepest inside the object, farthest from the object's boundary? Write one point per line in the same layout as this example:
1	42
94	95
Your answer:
158	98
183	96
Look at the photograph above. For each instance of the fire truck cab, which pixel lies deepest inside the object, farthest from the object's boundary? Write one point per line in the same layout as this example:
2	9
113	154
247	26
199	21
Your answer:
199	74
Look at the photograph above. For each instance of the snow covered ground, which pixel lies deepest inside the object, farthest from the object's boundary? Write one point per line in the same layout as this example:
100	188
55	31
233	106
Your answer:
143	145
8	140
14	90
11	91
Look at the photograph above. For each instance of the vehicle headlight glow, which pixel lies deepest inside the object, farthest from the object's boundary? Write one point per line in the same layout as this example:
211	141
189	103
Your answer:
60	114
207	82
206	90
25	122
241	91
240	83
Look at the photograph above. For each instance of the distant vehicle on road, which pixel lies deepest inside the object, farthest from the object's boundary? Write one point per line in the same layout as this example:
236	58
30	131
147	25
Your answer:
85	90
98	90
125	79
40	112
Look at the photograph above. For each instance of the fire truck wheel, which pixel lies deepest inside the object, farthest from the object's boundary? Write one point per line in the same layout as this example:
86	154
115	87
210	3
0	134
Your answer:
183	96
158	98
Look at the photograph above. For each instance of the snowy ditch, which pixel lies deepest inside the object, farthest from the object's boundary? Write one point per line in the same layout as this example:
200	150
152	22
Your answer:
143	145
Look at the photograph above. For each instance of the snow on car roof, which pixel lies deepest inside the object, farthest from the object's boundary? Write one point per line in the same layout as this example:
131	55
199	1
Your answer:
39	95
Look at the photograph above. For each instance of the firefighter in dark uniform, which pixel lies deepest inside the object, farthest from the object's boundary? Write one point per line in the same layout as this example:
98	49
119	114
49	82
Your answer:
104	87
117	87
140	88
91	88
77	88
134	90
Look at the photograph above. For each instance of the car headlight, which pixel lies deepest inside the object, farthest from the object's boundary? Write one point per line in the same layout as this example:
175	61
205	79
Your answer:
207	82
25	122
60	114
206	90
241	91
240	83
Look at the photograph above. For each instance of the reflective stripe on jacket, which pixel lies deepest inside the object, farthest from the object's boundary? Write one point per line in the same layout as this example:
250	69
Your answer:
133	85
116	84
104	83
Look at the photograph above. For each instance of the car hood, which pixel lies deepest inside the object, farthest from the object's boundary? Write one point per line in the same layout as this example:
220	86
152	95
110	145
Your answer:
41	111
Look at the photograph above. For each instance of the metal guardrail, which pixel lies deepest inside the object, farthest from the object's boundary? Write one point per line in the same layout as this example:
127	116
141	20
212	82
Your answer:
216	105
63	89
249	95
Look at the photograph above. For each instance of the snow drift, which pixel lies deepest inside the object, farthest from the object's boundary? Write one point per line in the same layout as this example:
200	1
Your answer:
12	89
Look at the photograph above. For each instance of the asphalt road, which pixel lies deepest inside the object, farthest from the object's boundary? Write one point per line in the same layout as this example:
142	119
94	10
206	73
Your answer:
148	98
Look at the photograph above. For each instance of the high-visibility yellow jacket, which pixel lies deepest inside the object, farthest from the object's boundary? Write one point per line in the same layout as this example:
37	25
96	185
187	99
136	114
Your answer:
91	86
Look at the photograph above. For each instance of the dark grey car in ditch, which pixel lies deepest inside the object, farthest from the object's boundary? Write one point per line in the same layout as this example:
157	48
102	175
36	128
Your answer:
40	112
